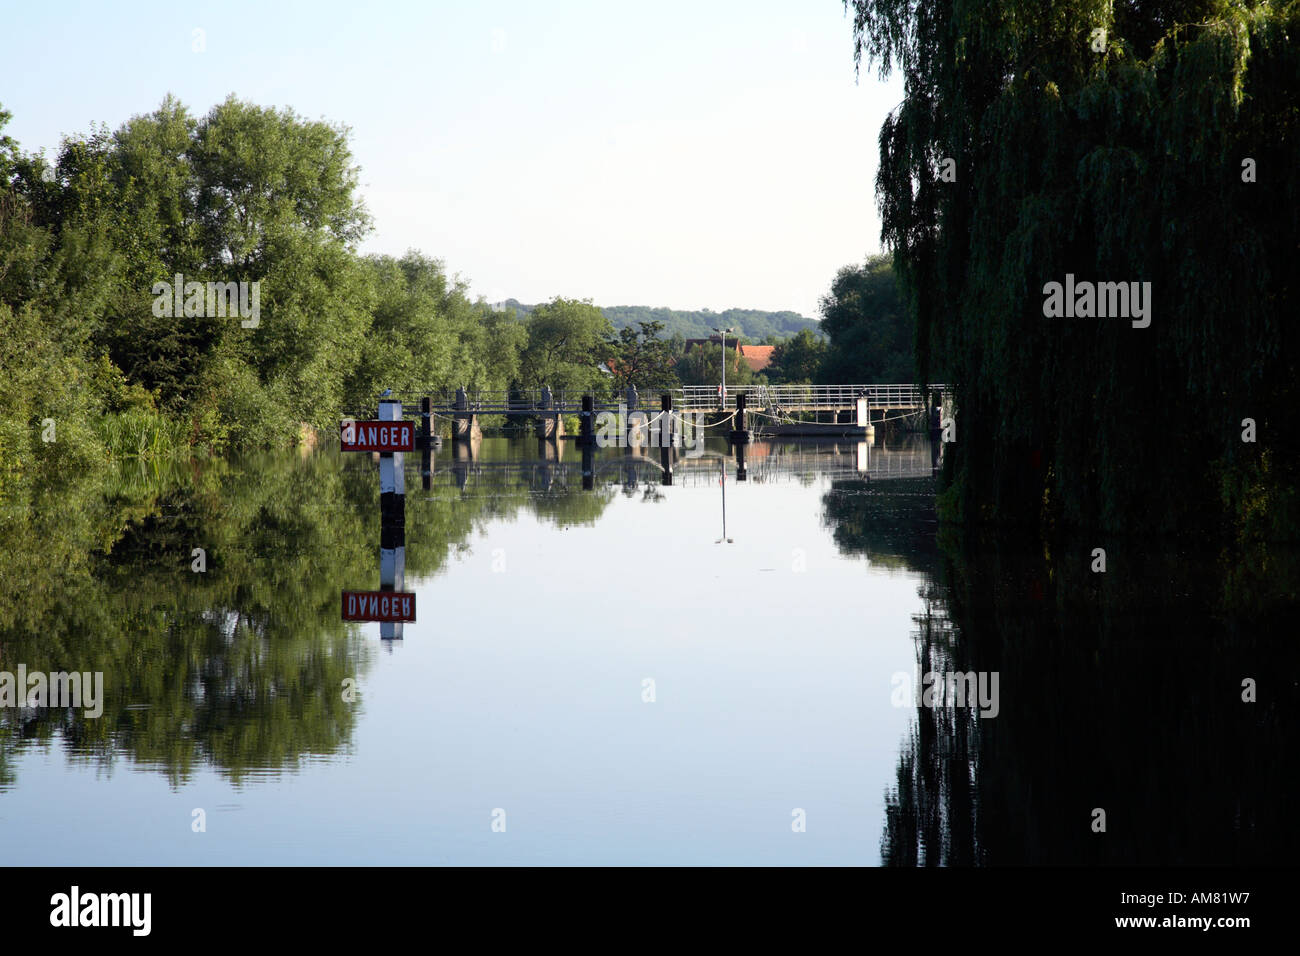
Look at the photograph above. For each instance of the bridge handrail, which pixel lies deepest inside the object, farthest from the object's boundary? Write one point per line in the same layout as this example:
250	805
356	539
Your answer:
684	397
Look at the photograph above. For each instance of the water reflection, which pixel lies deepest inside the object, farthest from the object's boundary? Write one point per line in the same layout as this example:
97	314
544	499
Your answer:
224	666
1119	691
239	666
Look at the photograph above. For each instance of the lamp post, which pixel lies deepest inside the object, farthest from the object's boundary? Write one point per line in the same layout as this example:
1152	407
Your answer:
724	363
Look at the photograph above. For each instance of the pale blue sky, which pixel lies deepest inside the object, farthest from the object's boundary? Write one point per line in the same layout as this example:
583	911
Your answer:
714	153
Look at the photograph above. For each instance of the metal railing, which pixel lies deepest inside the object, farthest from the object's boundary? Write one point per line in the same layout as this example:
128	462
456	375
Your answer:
796	398
689	398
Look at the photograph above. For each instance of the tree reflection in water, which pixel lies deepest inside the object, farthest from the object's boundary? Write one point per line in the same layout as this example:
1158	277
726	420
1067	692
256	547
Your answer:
1119	690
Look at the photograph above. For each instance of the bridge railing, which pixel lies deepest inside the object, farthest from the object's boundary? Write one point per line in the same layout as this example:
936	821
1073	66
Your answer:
803	397
486	401
689	398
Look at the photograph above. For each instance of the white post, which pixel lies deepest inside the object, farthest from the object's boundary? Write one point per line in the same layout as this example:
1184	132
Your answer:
391	478
724	368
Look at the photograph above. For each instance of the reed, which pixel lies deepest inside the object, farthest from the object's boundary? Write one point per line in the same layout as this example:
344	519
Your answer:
142	433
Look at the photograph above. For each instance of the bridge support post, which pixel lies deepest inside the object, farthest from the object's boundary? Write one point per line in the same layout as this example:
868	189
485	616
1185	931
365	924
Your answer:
464	423
667	424
633	433
739	429
426	442
862	417
549	424
586	427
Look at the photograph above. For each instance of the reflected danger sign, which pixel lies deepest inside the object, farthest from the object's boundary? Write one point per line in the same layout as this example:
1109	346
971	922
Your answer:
384	606
378	436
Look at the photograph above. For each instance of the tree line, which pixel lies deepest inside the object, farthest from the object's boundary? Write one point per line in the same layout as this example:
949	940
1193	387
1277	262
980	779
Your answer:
753	324
121	222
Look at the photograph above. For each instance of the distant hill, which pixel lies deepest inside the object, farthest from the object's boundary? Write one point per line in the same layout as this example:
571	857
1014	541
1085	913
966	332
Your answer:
752	324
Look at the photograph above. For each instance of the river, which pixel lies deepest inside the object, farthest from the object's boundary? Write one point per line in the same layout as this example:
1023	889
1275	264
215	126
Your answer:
628	674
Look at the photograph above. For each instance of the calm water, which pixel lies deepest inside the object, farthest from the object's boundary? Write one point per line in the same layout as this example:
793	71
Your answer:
548	615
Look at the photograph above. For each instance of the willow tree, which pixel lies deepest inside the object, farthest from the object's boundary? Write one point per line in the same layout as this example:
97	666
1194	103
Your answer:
1112	142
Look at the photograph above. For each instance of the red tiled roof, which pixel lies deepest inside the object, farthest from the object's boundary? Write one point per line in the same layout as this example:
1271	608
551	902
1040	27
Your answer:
757	357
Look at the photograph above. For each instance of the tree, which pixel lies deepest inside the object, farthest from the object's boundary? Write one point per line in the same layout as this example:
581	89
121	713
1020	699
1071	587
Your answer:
798	360
1026	151
869	326
277	205
641	357
567	342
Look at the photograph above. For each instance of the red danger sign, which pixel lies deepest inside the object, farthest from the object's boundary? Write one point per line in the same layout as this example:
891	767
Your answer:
378	436
387	606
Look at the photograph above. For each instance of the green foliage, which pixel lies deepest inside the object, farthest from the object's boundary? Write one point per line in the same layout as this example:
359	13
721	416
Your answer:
44	390
243	194
752	324
91	246
642	357
798	360
869	326
702	365
141	433
1123	165
567	343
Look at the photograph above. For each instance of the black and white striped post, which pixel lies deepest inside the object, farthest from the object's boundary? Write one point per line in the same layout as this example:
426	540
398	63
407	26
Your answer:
390	437
392	520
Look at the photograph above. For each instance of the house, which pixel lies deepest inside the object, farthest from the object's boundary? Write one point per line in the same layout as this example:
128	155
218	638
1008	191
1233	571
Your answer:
757	357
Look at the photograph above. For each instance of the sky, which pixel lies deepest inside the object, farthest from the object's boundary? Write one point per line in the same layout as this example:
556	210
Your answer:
709	154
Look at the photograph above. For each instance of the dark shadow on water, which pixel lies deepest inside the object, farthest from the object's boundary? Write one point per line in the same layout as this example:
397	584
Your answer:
1120	692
